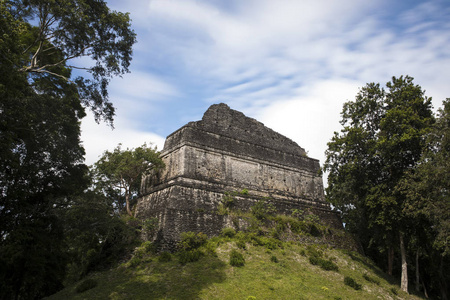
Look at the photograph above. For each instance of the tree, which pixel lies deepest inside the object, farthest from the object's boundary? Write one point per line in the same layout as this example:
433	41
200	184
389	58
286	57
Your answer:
122	170
94	236
383	136
67	30
426	188
41	105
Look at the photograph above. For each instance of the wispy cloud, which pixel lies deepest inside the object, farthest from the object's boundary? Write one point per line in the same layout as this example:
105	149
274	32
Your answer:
289	63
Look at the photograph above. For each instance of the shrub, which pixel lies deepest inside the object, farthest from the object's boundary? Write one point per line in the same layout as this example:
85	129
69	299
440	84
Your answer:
229	232
133	262
165	257
189	256
326	265
351	283
298	213
394	291
314	230
228	200
86	285
269	243
241	245
313	251
244	192
262	209
150	225
190	240
236	258
371	279
274	259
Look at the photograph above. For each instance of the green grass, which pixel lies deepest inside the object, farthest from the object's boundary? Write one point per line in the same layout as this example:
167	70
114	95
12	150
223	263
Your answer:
212	276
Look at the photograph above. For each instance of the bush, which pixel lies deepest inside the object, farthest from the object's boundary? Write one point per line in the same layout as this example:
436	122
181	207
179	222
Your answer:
189	256
313	251
262	209
150	225
244	192
134	261
274	259
236	258
352	283
190	240
229	232
394	291
86	285
165	257
314	231
241	245
326	265
371	279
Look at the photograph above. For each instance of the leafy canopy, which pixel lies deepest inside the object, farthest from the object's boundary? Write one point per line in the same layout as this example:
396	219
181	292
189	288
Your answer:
64	31
122	170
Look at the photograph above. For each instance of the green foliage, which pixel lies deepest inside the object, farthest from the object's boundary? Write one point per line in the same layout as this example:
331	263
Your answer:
371	279
236	258
95	238
314	251
73	29
41	156
324	264
241	245
150	225
191	240
298	213
135	261
262	209
122	171
187	256
383	138
244	192
274	259
352	283
228	232
86	285
394	291
165	257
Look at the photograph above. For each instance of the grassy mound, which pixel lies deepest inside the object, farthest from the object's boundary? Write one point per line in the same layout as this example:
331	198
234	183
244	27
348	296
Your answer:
273	269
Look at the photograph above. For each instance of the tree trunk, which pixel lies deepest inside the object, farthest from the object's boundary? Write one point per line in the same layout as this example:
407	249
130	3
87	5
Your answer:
443	283
424	289
127	199
417	271
404	278
390	260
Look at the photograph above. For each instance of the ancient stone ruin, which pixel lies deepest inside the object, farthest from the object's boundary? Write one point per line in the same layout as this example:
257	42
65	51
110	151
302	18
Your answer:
227	151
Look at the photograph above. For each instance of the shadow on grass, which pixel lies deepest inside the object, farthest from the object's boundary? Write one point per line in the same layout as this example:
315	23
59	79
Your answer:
371	266
170	280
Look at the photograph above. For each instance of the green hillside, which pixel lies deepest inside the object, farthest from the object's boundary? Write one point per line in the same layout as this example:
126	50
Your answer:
271	269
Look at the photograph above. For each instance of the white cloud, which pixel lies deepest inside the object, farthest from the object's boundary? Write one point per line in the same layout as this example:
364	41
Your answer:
289	63
310	118
97	138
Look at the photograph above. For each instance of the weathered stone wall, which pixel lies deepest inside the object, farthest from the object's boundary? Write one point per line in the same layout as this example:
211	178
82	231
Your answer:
227	151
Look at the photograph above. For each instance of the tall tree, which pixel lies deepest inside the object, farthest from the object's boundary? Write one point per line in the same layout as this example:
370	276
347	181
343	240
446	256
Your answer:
41	105
383	137
122	171
428	196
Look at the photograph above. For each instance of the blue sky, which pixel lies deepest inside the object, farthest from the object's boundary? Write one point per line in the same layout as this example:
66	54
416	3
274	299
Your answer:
288	64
